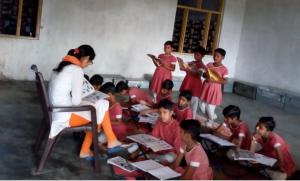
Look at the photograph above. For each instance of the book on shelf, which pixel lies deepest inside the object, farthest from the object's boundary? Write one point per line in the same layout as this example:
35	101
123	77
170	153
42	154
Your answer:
89	94
151	142
121	163
157	170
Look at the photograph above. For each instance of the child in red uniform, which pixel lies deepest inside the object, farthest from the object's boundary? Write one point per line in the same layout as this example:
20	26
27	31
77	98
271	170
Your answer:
192	81
241	135
211	95
183	110
165	64
96	81
198	167
167	129
165	91
273	146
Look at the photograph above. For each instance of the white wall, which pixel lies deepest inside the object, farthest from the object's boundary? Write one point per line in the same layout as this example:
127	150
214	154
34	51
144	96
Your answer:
121	31
270	44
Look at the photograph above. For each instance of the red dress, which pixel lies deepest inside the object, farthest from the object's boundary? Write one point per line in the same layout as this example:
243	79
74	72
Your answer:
268	149
169	132
139	94
120	129
161	74
193	82
182	114
242	130
212	92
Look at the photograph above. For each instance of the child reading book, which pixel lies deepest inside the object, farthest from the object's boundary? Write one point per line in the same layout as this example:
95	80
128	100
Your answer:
182	109
211	95
198	167
165	91
273	146
192	81
165	63
167	129
96	81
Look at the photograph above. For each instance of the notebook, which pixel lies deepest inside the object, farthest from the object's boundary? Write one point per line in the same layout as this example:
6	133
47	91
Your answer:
148	118
157	170
151	142
139	107
256	157
121	163
89	94
215	139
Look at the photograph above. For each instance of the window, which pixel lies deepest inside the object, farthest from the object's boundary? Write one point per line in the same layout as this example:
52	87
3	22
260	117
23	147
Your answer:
20	18
197	22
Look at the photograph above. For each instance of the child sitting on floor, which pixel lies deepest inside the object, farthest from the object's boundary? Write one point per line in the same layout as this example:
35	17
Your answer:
198	167
273	146
183	110
96	81
167	129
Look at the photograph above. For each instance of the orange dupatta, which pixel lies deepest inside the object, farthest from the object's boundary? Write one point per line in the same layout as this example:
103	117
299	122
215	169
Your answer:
72	60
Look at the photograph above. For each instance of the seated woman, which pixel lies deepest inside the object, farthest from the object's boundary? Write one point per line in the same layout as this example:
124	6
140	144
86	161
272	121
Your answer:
65	89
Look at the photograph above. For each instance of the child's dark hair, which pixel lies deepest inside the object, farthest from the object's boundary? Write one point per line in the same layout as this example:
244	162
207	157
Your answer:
167	84
108	87
201	50
268	122
220	51
86	77
96	79
166	104
81	51
121	86
232	111
169	43
187	94
192	127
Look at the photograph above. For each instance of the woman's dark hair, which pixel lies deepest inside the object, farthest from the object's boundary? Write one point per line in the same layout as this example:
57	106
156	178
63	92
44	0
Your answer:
187	94
268	122
121	86
169	43
220	51
232	111
167	84
81	51
192	127
108	87
96	79
166	104
200	50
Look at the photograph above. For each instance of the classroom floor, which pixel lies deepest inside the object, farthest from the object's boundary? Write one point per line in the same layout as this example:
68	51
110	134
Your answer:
20	115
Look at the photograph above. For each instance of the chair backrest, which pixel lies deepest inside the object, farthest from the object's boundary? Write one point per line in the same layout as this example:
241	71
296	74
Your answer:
43	95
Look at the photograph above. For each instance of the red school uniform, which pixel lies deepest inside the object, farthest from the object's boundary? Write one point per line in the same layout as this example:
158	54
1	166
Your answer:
120	129
182	114
212	92
268	149
161	73
139	94
193	82
198	159
169	132
161	97
242	130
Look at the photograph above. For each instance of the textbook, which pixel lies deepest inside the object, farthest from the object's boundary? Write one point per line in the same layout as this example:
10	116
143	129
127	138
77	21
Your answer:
139	107
121	163
157	170
241	154
151	142
89	94
215	139
149	118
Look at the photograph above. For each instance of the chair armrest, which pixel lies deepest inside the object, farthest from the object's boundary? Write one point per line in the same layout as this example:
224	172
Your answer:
90	108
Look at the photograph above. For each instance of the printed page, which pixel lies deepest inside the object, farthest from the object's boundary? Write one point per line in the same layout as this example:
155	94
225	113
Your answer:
262	159
143	138
95	96
87	88
122	163
139	107
148	118
164	173
215	139
241	154
159	146
147	165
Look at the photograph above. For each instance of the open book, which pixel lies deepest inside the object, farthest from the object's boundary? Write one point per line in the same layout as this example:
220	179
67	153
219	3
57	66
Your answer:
151	142
122	163
218	140
241	154
139	107
157	170
148	118
89	94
